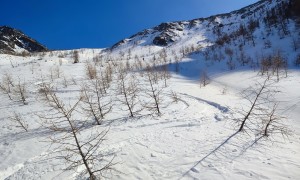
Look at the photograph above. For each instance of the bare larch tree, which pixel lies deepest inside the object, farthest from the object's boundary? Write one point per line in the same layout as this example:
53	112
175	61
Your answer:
96	103
6	85
68	131
128	89
154	90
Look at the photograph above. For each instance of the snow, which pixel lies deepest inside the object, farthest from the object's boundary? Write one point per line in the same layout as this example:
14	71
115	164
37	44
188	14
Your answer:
195	138
180	144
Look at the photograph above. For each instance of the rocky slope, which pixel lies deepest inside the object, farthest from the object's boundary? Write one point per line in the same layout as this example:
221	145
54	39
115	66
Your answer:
14	41
270	12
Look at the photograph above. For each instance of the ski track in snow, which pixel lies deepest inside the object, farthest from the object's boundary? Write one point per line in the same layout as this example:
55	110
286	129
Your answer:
216	105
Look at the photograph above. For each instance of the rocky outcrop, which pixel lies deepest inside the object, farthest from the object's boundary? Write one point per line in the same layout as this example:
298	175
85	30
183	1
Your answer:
12	41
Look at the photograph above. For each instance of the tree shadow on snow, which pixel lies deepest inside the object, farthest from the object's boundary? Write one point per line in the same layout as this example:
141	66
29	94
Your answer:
231	148
192	69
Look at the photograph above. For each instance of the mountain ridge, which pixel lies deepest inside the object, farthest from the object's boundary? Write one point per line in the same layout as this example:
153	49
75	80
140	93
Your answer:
14	41
168	33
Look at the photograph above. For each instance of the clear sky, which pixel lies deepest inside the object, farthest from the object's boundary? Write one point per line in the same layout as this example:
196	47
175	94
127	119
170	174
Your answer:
69	24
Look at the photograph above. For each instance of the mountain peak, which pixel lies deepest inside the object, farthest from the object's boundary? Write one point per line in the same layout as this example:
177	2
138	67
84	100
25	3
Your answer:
170	33
14	41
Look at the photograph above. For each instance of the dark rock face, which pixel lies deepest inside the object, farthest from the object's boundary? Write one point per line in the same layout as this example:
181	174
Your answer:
118	44
163	39
167	34
170	26
10	38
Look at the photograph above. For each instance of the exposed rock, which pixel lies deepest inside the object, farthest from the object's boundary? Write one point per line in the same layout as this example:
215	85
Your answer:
163	39
12	39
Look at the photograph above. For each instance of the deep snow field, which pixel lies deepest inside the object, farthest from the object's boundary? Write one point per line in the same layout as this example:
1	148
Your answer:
196	134
194	138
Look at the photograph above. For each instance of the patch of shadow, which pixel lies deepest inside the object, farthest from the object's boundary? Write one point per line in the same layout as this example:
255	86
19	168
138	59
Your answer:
184	125
216	105
32	133
217	118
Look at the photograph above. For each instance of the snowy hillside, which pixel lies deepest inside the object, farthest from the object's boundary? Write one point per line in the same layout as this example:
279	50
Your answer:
267	25
14	41
211	98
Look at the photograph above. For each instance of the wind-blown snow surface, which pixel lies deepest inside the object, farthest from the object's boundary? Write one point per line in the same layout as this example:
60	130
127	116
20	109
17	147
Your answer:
192	139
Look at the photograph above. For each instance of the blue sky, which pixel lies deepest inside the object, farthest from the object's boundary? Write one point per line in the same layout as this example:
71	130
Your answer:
68	24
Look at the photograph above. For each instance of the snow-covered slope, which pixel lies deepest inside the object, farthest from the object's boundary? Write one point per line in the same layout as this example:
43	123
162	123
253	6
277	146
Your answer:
211	28
270	24
186	142
14	41
195	134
